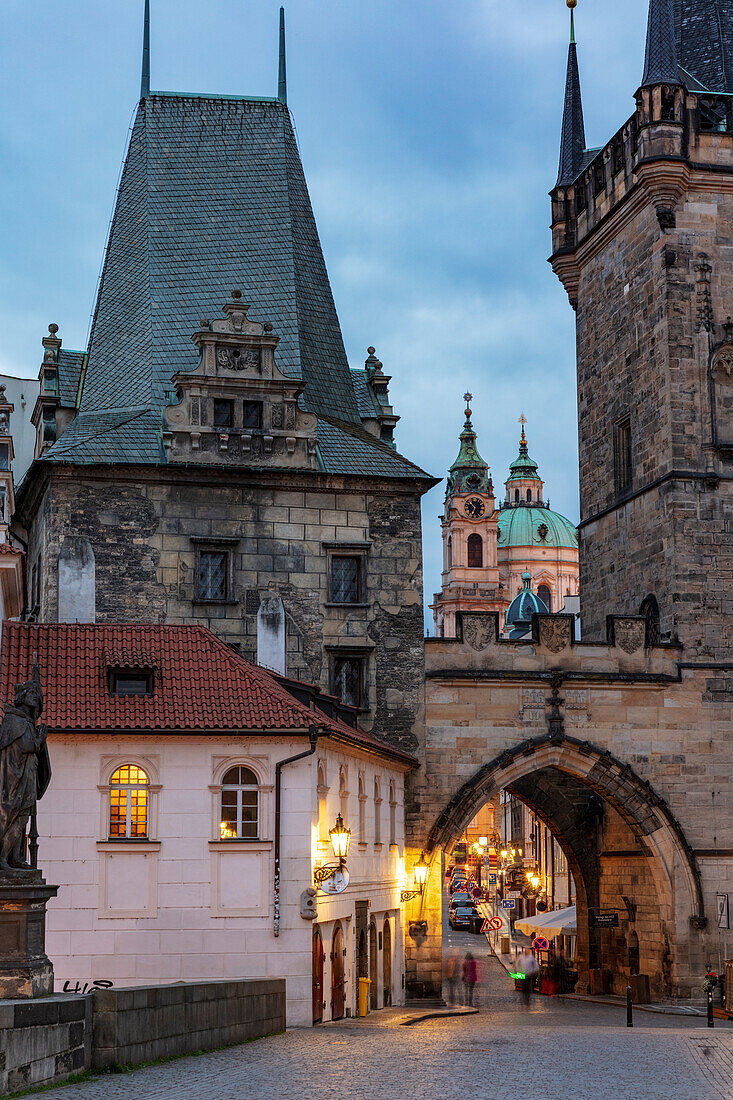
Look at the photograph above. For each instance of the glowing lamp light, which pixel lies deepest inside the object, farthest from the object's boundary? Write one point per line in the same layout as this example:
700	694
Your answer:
483	841
421	872
504	853
340	838
227	831
479	850
534	881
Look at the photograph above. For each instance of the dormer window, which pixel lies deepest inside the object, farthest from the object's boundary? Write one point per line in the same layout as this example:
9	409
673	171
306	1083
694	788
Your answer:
223	413
130	681
252	414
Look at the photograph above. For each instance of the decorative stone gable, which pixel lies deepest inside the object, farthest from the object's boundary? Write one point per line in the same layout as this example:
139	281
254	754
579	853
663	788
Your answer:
237	407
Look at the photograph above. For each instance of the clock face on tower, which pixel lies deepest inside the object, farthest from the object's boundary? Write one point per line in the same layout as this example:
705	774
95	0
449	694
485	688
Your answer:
474	508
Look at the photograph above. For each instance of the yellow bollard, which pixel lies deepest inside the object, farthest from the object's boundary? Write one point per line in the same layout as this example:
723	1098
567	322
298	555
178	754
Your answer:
364	984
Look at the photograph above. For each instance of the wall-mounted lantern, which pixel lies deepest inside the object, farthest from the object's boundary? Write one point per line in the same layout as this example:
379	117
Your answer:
332	878
421	876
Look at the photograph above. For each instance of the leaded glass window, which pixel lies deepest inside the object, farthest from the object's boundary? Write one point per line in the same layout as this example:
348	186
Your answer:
240	805
345	579
347	680
128	803
212	575
252	414
223	412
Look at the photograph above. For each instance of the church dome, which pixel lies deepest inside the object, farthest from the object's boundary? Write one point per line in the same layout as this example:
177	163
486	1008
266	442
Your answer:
526	604
525	524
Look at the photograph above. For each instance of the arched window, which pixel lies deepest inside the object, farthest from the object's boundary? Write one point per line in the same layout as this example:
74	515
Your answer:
322	803
529	494
449	553
516	496
240	805
475	546
377	812
362	810
392	814
128	802
545	595
650	610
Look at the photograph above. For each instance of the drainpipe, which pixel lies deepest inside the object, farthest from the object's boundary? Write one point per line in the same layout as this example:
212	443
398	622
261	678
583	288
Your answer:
313	735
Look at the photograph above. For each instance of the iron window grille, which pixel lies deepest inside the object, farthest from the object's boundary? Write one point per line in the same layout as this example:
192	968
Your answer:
240	805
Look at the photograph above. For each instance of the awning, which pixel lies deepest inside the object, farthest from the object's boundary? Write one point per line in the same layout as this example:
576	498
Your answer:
558	922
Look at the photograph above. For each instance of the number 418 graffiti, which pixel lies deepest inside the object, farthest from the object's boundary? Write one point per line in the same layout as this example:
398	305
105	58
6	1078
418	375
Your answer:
87	987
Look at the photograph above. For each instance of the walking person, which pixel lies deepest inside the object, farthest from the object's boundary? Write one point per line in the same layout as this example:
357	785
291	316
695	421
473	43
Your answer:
470	977
450	974
527	966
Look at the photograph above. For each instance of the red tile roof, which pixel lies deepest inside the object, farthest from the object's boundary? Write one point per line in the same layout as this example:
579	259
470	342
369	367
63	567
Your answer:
6	548
200	684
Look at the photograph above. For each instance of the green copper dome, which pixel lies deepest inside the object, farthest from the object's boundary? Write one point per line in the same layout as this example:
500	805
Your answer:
469	473
523	466
533	525
525	605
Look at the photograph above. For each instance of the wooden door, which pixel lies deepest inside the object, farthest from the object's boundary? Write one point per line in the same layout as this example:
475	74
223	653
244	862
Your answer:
338	953
317	977
374	987
387	963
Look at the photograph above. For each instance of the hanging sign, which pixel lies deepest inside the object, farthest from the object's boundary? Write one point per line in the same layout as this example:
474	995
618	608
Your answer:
540	944
334	883
604	919
722	908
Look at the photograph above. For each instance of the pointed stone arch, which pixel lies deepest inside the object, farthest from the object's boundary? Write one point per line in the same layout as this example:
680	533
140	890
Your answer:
635	800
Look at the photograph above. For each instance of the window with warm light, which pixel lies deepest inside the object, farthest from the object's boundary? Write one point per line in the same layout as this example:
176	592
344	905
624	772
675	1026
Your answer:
240	805
128	803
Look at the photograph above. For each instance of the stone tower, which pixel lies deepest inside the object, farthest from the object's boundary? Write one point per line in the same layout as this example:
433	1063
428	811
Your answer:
641	239
470	526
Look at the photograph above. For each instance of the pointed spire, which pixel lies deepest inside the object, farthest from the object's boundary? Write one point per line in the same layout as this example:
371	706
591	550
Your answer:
145	78
572	141
660	62
282	82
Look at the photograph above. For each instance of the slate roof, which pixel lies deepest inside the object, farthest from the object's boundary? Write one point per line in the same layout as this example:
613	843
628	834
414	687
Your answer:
212	197
572	137
704	43
347	449
69	364
366	401
200	684
660	60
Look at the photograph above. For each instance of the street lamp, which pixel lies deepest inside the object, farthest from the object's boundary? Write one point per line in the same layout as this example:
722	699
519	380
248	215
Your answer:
421	877
340	838
483	841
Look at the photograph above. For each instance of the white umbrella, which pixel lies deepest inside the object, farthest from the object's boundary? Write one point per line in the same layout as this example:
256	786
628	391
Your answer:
558	922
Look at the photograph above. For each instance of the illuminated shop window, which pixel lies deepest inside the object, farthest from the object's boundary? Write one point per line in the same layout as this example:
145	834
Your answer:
128	803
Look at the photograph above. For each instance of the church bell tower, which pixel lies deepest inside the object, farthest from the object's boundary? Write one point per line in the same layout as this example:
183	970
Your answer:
641	231
470	531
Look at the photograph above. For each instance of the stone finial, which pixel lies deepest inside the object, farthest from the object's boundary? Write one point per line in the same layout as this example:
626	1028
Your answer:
236	295
53	329
267	326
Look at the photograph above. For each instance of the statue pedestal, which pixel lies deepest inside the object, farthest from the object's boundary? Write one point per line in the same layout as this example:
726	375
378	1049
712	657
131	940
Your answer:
25	969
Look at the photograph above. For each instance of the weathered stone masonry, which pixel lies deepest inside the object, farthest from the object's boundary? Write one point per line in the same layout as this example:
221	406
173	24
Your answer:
140	526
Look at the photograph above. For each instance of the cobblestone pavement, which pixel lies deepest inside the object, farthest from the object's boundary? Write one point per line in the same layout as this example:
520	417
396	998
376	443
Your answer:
555	1050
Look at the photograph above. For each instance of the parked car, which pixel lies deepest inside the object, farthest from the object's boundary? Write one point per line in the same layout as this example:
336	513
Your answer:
459	899
466	918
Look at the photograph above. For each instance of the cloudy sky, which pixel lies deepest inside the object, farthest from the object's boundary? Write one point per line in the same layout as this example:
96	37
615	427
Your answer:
429	135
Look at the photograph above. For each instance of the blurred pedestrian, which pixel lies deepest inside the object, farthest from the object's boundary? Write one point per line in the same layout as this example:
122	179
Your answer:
470	977
527	967
450	973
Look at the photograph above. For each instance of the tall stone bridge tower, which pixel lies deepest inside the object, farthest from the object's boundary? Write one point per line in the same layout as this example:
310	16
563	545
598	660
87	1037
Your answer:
621	742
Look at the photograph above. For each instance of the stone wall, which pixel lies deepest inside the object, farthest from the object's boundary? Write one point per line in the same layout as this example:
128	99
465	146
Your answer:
633	725
149	1022
48	1039
142	527
43	1040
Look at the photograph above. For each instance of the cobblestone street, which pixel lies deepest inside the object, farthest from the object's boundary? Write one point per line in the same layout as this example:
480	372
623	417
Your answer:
553	1051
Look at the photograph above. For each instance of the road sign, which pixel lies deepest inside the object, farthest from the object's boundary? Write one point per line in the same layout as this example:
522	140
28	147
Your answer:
492	880
540	944
495	924
485	927
509	903
722	910
513	894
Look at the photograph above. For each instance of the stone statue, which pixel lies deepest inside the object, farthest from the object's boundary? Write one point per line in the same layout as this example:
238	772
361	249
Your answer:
25	769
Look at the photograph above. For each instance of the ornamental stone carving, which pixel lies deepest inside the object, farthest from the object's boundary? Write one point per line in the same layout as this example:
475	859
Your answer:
479	631
629	634
555	633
